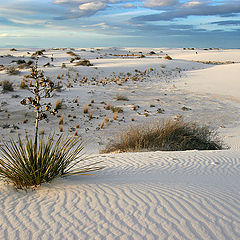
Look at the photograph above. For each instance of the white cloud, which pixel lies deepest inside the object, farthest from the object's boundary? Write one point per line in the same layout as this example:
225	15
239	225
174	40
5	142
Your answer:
26	21
92	6
128	5
159	3
13	35
192	4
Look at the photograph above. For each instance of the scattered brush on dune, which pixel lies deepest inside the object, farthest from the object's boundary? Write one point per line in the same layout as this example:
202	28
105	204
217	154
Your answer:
165	136
25	166
34	161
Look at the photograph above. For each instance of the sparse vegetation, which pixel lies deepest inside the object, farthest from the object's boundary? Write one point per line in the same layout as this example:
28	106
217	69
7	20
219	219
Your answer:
85	109
121	98
12	70
167	57
116	109
58	104
31	162
84	62
7	86
166	136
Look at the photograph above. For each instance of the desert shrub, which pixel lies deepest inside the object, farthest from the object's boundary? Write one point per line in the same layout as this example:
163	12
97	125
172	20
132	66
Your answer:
71	53
121	98
23	84
24	166
85	109
38	53
7	86
24	64
58	104
84	62
21	61
168	57
12	70
116	109
58	87
166	136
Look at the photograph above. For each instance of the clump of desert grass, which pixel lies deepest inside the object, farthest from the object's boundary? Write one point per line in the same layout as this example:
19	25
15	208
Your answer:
26	167
116	109
84	62
170	135
104	122
71	53
115	115
167	57
85	109
23	84
121	98
61	120
12	70
58	104
90	114
7	86
107	106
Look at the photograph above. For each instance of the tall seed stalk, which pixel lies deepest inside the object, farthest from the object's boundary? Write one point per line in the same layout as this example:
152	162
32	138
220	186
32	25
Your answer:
41	87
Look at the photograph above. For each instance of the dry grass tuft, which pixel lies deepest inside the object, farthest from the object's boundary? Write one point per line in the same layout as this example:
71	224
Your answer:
83	62
115	116
61	128
85	109
7	86
102	124
12	70
166	136
42	132
167	57
90	114
107	106
23	84
58	104
61	120
121	98
116	109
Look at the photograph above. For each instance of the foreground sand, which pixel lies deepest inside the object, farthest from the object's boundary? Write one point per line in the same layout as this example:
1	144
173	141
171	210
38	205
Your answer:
155	195
160	195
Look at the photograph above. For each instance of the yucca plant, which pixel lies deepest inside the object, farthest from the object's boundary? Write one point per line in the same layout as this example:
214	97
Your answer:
21	165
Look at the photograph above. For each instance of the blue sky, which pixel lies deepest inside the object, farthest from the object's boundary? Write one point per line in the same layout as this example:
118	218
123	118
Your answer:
142	23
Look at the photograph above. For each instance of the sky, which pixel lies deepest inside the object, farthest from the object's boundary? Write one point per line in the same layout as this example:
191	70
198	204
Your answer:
120	23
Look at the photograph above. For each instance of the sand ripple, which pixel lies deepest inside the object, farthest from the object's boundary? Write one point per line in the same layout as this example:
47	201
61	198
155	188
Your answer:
158	195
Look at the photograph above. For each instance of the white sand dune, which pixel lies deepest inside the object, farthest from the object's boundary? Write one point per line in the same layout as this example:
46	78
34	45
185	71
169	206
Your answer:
218	80
159	195
192	195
